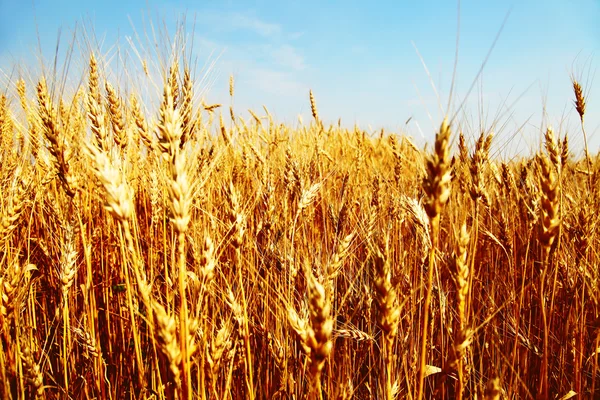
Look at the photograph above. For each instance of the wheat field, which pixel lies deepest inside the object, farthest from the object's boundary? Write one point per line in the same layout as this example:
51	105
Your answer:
168	248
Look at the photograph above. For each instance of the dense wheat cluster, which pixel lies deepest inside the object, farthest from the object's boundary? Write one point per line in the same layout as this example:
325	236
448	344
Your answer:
170	252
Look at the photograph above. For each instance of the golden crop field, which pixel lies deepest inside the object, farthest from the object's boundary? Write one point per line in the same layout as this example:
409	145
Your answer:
179	251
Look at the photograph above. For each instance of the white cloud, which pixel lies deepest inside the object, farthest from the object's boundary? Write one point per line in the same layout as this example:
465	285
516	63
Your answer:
254	24
295	35
284	57
358	49
273	82
259	42
288	56
231	22
262	57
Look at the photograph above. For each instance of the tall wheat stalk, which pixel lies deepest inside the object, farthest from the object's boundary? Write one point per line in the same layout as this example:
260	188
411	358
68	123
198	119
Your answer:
437	189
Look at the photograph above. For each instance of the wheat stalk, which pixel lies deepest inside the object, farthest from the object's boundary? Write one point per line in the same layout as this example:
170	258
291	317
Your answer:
437	189
550	228
321	326
314	331
461	278
580	107
169	141
389	310
218	347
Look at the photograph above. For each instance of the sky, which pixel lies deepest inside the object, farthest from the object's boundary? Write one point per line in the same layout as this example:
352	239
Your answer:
386	64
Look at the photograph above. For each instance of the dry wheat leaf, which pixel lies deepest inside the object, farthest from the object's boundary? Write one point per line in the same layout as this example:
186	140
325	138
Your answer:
431	370
568	395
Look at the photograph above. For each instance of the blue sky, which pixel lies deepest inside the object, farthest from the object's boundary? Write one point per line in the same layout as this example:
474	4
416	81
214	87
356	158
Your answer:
358	57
